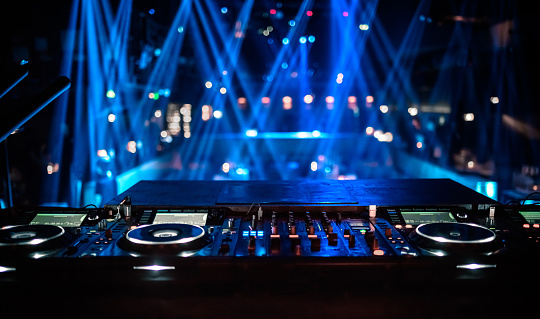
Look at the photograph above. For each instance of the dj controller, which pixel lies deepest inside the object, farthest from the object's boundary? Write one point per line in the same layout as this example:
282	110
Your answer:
196	247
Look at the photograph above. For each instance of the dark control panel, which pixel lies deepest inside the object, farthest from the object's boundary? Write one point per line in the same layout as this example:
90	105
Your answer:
268	232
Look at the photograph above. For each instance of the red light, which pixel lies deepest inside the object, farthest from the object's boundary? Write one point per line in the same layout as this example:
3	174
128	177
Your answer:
309	13
272	11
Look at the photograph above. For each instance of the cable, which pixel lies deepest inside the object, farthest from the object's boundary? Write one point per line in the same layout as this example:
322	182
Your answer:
250	207
533	193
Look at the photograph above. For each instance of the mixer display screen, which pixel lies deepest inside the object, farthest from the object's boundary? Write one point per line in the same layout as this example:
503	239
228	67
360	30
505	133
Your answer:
63	220
417	218
198	219
532	217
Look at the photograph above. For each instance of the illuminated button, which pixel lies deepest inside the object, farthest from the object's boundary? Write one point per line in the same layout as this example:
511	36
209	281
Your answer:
378	252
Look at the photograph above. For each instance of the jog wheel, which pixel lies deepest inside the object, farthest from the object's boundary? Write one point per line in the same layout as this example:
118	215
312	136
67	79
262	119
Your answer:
443	239
165	239
33	241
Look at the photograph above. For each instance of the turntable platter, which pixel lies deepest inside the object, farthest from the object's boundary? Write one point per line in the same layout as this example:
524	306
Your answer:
165	238
32	240
455	239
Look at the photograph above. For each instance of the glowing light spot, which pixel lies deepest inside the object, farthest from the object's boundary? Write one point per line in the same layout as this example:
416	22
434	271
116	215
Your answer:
316	133
363	27
468	117
157	113
292	23
419	145
369	130
265	100
285	41
378	252
131	146
157	52
164	134
273	11
284	65
208	84
109	174
223	90
345	13
311	39
151	95
377	134
413	111
287	103
218	114
494	100
224	10
242	171
369	99
386	137
180	29
383	108
111	118
314	166
251	133
339	80
470	164
302	40
206	112
308	99
294	74
309	13
329	99
111	94
225	167
152	11
351	99
224	72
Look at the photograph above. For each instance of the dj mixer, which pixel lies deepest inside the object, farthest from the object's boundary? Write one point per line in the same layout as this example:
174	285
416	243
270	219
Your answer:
194	247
